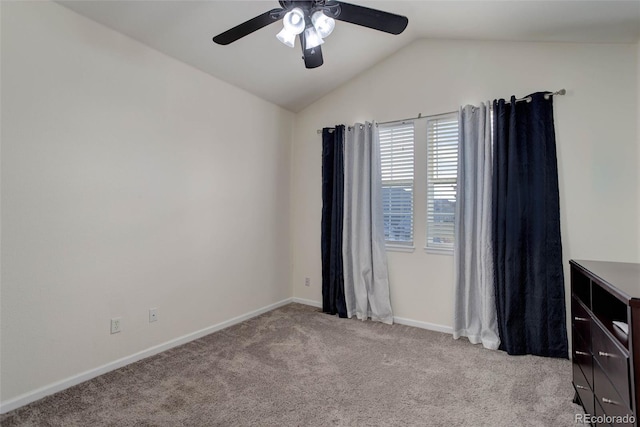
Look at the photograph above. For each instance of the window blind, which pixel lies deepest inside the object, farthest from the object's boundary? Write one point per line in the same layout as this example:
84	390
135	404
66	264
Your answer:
442	172
397	163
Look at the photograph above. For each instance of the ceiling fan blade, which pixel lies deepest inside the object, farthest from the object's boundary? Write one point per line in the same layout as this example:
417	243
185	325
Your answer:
313	57
371	18
248	27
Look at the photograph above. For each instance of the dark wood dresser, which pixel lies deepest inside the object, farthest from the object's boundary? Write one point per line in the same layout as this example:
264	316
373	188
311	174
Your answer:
605	296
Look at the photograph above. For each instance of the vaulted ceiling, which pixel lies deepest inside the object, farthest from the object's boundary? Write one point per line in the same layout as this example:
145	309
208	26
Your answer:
263	66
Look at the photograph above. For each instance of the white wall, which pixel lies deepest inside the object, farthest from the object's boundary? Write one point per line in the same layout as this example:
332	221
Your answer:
596	136
129	181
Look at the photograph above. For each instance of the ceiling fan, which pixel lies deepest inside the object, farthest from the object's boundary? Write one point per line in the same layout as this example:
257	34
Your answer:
312	21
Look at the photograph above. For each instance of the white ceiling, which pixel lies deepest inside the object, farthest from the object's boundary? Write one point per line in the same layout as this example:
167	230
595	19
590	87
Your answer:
261	65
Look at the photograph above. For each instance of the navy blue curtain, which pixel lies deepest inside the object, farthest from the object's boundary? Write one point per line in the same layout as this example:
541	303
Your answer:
529	280
333	301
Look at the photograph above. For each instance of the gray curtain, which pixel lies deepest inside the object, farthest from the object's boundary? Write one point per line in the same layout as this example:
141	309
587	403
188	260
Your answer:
366	277
475	314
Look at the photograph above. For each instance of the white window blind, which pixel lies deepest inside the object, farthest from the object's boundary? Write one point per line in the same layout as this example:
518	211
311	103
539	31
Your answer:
396	158
442	173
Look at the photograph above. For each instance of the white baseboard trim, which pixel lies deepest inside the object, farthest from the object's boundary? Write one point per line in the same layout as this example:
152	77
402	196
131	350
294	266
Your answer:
32	396
398	320
423	325
307	302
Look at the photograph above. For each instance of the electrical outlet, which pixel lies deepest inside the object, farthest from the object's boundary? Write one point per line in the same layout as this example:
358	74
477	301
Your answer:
307	281
116	325
153	315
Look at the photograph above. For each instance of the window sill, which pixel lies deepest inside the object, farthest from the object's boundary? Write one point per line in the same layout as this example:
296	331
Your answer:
435	251
400	248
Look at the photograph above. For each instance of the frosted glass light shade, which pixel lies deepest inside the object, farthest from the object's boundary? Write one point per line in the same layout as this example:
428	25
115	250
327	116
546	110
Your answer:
287	37
323	24
312	38
293	21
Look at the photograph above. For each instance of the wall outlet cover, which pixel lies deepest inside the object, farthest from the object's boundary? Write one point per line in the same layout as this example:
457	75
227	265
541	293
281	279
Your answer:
116	325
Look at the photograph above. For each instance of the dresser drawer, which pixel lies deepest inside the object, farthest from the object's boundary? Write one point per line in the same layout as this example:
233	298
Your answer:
613	361
583	389
582	358
580	320
606	395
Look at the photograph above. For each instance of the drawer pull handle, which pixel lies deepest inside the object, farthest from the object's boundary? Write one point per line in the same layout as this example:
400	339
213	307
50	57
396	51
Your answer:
581	387
605	354
609	401
582	353
581	319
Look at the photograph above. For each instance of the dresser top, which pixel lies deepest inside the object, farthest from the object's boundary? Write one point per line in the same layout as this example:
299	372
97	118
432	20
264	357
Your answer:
624	276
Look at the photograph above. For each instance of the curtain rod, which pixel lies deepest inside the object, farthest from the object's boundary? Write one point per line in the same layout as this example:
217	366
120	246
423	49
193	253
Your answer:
392	121
546	96
527	98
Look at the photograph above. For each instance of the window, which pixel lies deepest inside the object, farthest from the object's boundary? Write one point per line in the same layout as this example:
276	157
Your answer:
442	173
396	159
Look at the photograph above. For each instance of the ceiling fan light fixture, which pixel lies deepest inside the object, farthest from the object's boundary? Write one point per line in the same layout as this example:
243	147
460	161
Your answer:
313	20
293	21
311	38
323	24
287	37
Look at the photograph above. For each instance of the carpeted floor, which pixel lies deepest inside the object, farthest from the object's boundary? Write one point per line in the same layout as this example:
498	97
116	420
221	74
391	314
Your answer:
295	366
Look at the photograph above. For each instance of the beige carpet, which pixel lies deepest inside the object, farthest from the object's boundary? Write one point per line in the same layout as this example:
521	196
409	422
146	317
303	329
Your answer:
296	366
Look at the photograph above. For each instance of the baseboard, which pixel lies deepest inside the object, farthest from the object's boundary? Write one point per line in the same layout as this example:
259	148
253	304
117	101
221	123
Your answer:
307	302
47	390
398	320
423	325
